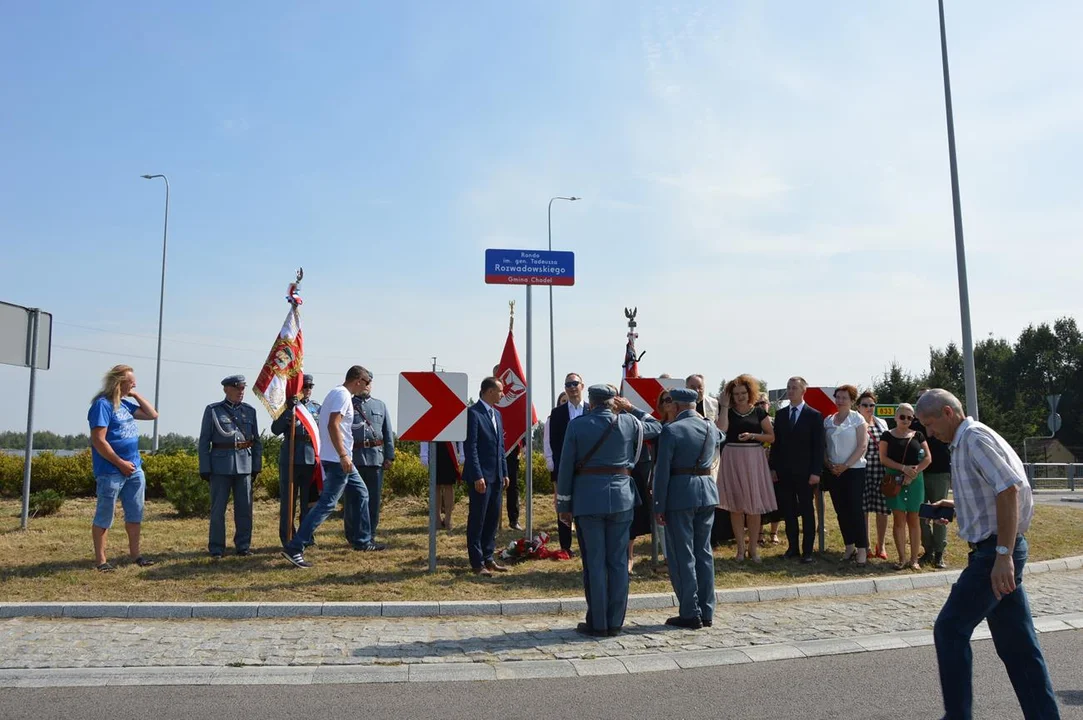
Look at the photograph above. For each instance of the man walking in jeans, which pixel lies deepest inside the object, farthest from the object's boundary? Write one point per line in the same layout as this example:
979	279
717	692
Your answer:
339	473
994	505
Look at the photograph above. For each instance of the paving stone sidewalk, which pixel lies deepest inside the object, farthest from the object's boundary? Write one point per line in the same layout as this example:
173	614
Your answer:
397	642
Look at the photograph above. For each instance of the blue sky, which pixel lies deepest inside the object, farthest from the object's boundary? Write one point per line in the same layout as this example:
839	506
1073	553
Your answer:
768	183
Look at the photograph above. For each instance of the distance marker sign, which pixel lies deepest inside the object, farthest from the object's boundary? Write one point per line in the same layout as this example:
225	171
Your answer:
529	267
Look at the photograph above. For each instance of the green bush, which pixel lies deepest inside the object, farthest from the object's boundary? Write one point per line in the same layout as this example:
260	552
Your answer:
407	476
69	475
45	502
189	494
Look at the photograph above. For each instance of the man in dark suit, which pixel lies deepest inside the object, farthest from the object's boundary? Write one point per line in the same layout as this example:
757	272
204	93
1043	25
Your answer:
485	473
796	460
558	429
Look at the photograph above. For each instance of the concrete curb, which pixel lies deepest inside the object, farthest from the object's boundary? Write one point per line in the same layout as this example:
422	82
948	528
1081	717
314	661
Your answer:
506	670
489	608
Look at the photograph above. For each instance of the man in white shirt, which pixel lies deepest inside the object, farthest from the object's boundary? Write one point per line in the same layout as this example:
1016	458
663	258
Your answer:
558	428
339	474
994	505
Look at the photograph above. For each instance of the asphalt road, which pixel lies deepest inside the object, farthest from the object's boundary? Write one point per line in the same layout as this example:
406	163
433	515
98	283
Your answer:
889	684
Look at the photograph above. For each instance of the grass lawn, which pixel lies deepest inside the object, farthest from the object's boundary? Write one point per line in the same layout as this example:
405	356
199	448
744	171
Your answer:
53	561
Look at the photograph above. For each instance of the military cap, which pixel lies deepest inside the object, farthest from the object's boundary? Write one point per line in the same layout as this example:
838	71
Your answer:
309	381
600	393
684	395
233	381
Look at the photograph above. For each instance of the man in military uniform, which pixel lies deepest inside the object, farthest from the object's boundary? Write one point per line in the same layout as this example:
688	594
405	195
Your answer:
685	496
230	459
373	452
304	463
594	486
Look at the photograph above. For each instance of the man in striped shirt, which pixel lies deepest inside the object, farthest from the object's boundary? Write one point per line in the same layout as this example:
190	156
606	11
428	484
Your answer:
994	505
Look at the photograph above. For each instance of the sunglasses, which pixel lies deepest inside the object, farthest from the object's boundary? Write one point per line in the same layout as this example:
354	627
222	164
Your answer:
904	417
868	405
665	401
573	383
761	402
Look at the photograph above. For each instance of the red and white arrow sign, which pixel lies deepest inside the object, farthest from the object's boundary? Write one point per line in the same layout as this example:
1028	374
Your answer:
644	392
432	406
821	398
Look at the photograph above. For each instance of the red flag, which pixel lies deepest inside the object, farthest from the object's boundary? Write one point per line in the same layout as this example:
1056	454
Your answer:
512	406
282	373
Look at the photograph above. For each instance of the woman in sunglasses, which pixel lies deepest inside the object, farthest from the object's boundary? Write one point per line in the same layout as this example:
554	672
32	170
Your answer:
875	502
905	455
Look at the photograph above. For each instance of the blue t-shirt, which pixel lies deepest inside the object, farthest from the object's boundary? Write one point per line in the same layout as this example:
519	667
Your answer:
121	433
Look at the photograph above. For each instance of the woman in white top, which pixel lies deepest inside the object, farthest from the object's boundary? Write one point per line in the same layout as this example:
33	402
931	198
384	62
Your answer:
845	442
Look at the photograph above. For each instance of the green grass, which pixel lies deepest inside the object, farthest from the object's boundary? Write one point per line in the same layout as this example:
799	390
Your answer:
53	560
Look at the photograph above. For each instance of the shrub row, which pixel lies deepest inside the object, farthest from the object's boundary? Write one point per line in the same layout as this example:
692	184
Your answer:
176	477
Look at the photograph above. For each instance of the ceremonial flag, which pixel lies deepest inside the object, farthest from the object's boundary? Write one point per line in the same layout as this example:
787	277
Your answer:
512	407
282	373
313	429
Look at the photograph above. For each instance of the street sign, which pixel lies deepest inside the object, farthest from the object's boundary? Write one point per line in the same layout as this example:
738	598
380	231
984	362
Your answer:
432	406
529	267
643	392
886	411
16	329
1054	423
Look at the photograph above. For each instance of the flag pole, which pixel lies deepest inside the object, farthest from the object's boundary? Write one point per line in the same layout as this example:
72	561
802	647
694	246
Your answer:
293	430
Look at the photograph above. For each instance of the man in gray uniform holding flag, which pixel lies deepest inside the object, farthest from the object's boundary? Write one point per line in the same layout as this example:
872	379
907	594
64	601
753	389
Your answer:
594	486
685	496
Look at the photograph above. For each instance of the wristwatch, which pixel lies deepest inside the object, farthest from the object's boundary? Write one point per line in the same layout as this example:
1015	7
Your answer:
1003	550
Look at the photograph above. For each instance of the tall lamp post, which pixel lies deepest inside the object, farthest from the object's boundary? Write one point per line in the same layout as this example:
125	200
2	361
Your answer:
552	347
969	374
161	307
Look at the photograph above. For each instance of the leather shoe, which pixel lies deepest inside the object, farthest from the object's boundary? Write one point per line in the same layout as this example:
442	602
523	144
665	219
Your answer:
791	554
614	632
690	623
707	623
585	629
806	560
516	526
494	566
483	571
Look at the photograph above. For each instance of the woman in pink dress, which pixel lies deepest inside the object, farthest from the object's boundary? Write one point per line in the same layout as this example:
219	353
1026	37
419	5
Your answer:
744	480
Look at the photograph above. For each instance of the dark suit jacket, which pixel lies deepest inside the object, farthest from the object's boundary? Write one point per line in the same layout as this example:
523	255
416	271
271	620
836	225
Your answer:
558	429
798	450
484	447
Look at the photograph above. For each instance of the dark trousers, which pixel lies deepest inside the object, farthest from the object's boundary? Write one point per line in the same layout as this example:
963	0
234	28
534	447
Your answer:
482	521
847	494
603	543
1010	623
241	488
795	500
513	488
564	532
303	494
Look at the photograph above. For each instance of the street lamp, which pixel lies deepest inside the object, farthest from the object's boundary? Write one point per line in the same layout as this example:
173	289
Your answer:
552	347
969	374
161	306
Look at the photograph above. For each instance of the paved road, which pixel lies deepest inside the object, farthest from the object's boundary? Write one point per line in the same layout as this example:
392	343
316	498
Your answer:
888	684
497	640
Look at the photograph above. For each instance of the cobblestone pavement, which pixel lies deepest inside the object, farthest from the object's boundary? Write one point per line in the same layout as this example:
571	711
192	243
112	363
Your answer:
105	643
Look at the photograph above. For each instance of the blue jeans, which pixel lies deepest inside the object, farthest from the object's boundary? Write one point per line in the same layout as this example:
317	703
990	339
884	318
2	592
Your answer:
356	510
130	490
971	601
221	487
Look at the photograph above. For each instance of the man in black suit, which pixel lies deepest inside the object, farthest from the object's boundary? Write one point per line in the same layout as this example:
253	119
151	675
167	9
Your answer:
485	472
796	460
558	428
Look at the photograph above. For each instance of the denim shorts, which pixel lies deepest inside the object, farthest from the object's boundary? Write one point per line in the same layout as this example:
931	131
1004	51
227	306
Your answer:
131	490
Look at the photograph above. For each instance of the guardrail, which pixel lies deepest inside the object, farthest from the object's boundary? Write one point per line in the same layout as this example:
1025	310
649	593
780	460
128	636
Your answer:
1053	476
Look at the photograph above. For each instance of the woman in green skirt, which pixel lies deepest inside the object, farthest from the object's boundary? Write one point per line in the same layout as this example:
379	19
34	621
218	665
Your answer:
905	455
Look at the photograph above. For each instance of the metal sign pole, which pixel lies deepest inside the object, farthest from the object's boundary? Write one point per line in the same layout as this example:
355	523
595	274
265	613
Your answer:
529	452
432	506
820	516
35	316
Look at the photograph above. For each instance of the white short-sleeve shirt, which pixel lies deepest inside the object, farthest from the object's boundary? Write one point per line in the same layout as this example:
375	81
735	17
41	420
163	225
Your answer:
842	439
339	400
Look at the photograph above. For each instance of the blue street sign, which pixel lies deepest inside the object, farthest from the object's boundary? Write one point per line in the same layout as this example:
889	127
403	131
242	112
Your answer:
529	267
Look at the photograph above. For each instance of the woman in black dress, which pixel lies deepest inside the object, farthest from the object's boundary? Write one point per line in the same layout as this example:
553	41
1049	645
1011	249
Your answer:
449	463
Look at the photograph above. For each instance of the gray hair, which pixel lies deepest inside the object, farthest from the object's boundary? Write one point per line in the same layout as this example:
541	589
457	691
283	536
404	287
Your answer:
933	402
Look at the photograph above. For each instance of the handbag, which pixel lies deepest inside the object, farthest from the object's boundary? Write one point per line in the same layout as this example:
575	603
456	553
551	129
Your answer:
891	485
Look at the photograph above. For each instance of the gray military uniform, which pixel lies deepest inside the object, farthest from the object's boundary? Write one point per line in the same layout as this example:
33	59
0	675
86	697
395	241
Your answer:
685	493
373	442
600	495
231	454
